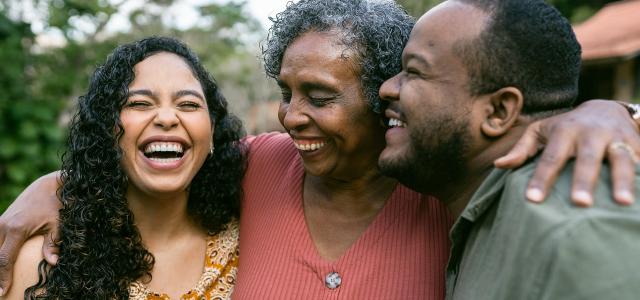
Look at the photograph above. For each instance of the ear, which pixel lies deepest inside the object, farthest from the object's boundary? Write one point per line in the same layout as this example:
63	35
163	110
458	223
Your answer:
505	106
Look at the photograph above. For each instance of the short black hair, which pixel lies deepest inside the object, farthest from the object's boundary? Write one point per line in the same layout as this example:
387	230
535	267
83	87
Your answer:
376	30
527	44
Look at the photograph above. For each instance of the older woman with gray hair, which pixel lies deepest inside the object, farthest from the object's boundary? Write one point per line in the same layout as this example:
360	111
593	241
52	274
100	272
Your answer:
318	219
330	224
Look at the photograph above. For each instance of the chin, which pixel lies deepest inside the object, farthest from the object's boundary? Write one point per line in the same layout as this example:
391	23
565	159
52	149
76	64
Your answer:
401	167
315	168
163	186
393	161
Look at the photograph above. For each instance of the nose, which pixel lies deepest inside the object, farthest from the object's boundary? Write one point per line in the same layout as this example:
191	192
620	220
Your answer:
166	118
293	115
390	89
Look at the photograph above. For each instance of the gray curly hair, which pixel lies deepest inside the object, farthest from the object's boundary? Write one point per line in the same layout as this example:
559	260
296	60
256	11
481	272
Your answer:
375	30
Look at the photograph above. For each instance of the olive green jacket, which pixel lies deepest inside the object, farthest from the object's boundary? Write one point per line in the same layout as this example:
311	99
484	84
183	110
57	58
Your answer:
504	247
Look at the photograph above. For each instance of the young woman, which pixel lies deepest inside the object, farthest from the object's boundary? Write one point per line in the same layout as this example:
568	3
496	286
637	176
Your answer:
150	185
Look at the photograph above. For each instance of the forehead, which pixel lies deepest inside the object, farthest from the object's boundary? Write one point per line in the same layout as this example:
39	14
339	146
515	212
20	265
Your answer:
320	53
165	69
438	30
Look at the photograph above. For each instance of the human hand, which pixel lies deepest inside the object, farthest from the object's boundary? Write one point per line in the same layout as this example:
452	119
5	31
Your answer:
592	131
34	212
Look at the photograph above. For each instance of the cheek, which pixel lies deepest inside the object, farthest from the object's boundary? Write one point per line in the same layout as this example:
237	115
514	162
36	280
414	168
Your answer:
132	126
200	129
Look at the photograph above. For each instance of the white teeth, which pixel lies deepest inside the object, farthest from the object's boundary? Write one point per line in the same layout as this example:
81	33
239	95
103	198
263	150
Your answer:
163	147
396	123
308	147
164	160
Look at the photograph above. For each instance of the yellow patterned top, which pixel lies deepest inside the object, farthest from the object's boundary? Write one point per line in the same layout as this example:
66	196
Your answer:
219	276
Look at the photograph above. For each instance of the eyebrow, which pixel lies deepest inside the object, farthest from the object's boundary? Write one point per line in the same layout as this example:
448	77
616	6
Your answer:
309	86
177	94
147	93
182	93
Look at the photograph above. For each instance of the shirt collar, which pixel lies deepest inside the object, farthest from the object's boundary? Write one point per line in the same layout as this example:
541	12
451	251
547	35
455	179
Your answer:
485	195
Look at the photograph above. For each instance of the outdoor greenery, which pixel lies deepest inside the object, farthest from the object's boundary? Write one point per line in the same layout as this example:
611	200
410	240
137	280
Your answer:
40	82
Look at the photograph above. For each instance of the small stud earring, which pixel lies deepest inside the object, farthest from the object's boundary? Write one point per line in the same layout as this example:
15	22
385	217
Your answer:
211	151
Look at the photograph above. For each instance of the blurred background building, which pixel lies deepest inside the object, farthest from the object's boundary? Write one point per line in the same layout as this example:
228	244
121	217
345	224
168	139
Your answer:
48	48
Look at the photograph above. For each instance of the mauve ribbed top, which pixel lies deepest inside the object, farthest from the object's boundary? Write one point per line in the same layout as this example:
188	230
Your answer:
402	255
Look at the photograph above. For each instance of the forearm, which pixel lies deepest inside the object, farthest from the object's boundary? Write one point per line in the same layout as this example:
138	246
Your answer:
37	203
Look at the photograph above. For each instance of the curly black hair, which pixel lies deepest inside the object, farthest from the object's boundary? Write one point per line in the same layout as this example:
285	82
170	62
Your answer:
527	44
373	29
101	252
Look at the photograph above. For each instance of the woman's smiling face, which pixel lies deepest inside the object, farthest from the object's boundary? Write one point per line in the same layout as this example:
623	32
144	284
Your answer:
324	108
167	128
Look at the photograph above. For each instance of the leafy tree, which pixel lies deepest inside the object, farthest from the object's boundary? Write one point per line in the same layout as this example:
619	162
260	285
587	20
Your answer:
29	137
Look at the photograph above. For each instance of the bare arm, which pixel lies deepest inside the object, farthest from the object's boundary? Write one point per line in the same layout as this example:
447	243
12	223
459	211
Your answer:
26	268
34	212
589	133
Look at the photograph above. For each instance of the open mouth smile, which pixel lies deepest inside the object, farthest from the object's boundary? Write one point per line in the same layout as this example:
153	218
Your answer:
396	123
164	152
308	146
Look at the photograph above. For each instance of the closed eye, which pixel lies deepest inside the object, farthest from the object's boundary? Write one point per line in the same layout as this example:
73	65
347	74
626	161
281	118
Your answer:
138	104
189	106
321	101
413	71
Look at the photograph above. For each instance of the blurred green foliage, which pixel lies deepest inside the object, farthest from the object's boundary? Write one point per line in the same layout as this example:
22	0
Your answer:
29	137
40	83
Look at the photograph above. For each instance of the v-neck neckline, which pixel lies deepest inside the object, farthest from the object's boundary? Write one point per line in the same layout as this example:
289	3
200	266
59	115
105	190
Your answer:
308	250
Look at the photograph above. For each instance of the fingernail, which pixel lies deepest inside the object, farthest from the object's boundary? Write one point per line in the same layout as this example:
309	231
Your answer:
624	197
503	158
535	195
582	198
1	291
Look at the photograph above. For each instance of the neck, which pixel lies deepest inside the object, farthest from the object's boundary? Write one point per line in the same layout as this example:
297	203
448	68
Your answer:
480	163
369	190
160	219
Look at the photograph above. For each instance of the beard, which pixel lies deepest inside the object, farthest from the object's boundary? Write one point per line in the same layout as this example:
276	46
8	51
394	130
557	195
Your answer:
436	157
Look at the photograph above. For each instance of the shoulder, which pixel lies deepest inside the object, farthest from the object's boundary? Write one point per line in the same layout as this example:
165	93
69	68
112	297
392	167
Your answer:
558	212
270	153
581	253
25	271
559	197
554	250
595	257
268	141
